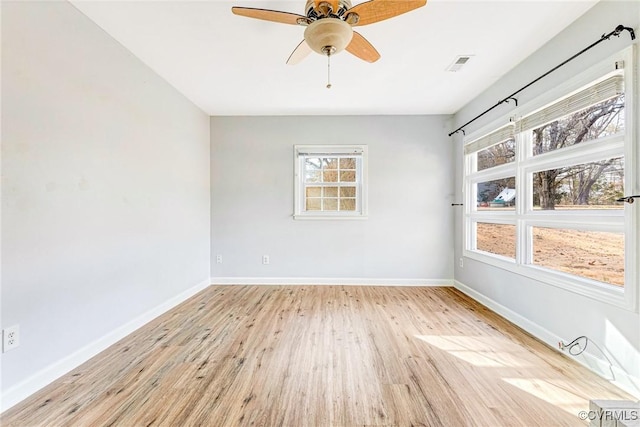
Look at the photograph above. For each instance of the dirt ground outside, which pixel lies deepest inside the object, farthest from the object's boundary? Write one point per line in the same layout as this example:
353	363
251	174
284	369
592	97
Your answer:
592	254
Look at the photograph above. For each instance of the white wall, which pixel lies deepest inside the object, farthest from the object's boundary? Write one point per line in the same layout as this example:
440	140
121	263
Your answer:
406	240
546	311
105	202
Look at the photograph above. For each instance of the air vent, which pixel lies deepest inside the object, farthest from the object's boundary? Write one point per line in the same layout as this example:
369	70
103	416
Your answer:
459	62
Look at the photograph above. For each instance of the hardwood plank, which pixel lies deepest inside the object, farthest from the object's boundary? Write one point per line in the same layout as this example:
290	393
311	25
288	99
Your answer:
321	356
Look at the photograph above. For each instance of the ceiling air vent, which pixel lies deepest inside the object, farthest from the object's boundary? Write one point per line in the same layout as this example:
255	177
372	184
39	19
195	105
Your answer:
459	62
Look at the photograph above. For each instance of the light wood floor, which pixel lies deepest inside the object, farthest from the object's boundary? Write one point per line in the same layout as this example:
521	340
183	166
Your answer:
321	356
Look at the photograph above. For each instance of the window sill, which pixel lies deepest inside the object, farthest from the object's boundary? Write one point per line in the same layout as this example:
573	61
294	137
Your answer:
622	298
329	217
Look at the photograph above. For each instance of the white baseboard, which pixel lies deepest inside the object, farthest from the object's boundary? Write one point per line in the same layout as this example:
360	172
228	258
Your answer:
54	371
614	374
328	281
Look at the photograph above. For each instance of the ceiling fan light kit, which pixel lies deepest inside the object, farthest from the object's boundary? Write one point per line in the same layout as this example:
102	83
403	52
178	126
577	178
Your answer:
330	25
332	35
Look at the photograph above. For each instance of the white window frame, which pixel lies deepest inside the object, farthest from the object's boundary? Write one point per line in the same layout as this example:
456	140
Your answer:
357	151
525	218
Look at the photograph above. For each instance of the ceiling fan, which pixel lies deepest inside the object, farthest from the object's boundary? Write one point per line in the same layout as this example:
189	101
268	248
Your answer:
330	25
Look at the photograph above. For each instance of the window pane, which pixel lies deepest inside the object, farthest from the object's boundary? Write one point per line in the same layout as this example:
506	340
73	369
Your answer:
330	163
347	204
314	204
499	154
312	176
499	239
497	195
347	191
330	176
595	255
330	205
594	185
313	164
597	121
348	163
331	192
348	176
314	191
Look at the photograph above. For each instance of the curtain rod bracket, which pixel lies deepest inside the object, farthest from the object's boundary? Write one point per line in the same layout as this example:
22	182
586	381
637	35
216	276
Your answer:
628	199
619	29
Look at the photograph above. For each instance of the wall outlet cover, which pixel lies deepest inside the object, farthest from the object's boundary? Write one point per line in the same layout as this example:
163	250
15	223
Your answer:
10	338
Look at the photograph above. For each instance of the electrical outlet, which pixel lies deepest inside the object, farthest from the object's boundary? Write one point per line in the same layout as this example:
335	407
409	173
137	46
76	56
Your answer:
265	259
219	259
461	263
10	338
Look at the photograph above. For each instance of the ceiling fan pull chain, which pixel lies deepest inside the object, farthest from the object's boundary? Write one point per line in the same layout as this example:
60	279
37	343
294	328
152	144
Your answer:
329	70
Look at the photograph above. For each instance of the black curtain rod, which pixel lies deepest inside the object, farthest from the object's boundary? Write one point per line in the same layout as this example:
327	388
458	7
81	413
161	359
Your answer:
619	29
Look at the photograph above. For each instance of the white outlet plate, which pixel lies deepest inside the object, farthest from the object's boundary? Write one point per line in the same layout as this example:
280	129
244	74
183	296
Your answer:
461	263
10	338
265	259
219	259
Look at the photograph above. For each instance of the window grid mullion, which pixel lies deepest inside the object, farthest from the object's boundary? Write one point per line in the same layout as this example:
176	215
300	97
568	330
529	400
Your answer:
523	240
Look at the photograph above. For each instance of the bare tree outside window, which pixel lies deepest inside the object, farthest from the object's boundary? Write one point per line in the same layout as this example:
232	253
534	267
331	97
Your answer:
574	185
499	154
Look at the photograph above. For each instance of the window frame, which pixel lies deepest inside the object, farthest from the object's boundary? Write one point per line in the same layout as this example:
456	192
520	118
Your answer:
360	152
624	221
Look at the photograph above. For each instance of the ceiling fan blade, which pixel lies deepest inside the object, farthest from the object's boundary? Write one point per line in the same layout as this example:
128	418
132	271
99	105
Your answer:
269	15
361	48
379	10
299	53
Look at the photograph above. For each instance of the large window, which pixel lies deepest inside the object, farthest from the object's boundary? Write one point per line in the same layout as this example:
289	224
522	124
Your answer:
541	189
330	182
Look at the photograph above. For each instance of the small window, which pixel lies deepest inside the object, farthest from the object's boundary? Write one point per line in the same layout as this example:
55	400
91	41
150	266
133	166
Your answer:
330	181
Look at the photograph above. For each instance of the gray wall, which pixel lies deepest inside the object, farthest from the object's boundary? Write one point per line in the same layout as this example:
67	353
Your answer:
548	311
105	179
407	238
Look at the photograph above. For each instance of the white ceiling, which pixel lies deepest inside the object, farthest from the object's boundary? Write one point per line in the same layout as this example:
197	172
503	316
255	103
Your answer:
231	65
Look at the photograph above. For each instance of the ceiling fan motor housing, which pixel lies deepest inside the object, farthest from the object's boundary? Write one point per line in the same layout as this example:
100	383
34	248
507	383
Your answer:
313	12
328	35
